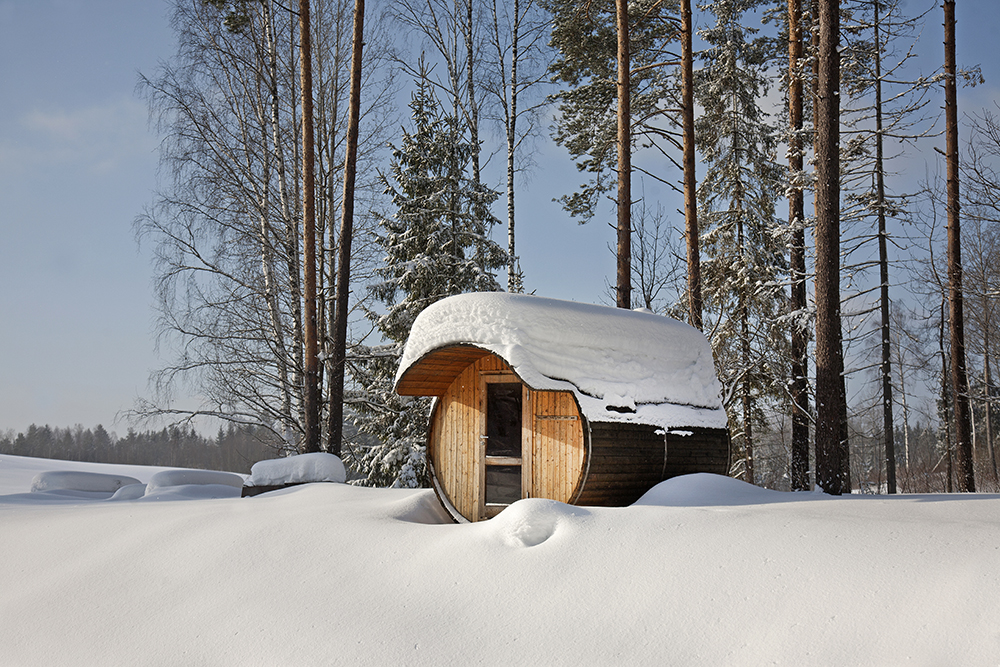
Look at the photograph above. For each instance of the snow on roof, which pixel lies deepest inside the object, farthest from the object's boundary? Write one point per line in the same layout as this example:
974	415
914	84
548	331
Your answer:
622	365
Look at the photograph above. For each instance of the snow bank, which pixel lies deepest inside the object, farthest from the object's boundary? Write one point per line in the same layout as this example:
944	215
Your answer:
532	521
313	467
130	492
706	490
18	472
705	571
191	492
623	366
170	484
75	480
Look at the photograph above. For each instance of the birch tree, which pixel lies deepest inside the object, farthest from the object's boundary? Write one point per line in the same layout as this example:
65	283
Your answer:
227	223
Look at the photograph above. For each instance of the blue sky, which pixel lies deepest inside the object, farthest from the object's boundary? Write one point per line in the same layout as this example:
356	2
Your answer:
78	163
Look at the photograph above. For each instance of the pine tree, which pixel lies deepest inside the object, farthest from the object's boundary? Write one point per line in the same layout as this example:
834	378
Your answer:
586	39
436	244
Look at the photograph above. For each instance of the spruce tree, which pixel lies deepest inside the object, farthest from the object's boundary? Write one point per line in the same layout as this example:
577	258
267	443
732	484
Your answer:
743	246
436	244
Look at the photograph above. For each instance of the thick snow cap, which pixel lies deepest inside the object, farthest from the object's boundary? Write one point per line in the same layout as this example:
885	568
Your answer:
623	366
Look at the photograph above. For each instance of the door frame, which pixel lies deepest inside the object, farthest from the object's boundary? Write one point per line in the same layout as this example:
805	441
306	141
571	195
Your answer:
502	377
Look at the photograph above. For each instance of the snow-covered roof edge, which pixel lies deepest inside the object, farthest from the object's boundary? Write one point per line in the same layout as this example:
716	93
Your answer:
622	366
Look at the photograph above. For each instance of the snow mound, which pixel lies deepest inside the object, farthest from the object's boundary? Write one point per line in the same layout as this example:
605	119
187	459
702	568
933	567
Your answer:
171	478
622	365
75	480
191	492
129	492
532	521
421	508
314	467
708	490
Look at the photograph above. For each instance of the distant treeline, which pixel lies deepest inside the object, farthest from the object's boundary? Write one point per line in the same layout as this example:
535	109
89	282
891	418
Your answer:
234	448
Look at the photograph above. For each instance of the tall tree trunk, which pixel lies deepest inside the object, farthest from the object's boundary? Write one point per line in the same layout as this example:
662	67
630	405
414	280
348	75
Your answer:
829	350
690	178
311	351
797	257
959	374
747	398
624	276
346	234
330	124
470	86
883	261
515	281
275	314
988	379
945	416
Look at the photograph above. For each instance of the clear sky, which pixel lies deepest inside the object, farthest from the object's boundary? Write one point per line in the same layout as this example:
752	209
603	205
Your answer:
78	164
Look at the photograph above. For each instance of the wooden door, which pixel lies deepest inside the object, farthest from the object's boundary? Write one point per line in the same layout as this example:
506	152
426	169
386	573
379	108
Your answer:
504	451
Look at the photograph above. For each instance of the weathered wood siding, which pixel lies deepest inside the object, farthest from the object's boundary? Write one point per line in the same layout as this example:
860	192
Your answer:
704	450
629	459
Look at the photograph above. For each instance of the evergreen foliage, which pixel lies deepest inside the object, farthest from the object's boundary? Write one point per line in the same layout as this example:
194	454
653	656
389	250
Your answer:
585	38
743	245
234	449
436	244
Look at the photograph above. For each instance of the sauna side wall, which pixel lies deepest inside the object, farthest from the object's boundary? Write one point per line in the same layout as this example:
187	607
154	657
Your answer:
629	459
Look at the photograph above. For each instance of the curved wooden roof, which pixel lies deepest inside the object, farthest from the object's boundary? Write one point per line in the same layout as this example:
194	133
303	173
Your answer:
621	365
433	373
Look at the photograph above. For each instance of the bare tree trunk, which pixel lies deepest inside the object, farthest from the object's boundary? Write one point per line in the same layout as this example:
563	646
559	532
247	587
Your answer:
293	203
797	257
988	379
829	350
515	282
959	374
883	260
275	314
690	177
346	234
311	351
329	59
624	276
470	86
945	402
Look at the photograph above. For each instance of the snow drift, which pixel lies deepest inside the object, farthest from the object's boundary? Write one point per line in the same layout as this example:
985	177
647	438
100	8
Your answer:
706	571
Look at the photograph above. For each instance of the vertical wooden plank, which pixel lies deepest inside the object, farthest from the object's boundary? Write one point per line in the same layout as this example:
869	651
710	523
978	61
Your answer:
527	462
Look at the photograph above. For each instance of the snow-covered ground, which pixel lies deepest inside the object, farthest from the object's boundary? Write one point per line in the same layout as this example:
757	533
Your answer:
703	571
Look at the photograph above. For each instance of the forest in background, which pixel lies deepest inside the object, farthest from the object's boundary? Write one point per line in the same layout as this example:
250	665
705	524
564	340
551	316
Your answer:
233	449
488	85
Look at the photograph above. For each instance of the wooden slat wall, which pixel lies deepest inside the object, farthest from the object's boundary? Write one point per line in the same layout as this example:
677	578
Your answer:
434	373
705	450
629	459
454	445
558	452
626	461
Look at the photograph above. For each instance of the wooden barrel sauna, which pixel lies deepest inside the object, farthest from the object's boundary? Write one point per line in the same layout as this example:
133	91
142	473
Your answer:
503	427
493	440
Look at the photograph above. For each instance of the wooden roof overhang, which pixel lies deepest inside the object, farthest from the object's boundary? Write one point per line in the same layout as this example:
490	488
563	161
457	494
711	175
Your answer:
433	373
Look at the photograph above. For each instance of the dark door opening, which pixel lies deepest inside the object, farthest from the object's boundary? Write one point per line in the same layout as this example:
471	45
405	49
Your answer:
503	443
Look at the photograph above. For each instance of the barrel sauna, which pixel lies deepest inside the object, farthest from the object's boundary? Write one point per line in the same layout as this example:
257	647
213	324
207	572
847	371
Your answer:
521	409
